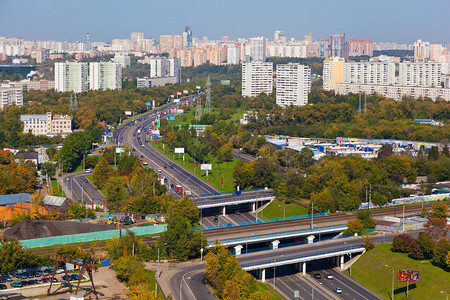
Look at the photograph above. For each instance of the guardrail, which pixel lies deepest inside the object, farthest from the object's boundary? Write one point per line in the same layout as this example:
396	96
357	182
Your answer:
260	221
293	257
276	235
223	193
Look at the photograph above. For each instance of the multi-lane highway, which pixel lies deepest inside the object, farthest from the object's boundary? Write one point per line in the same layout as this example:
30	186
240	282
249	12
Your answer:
127	135
82	189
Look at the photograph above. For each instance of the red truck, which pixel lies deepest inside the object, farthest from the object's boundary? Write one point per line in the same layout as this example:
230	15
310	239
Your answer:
179	189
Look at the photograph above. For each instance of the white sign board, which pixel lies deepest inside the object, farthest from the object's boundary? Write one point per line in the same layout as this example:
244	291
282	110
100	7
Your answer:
127	113
206	167
120	150
180	111
179	150
198	87
185	92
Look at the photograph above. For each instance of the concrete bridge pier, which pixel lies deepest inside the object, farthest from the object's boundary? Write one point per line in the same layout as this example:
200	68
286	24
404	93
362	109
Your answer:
224	211
275	244
254	206
342	262
304	268
238	249
263	275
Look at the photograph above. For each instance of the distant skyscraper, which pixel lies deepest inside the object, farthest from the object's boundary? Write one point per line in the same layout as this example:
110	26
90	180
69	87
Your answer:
257	78
337	45
421	51
333	72
71	77
137	37
360	47
233	55
105	76
293	84
258	48
276	36
189	36
165	67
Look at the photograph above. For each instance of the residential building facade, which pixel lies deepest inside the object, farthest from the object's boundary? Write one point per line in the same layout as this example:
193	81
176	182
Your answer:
47	124
420	74
10	96
333	72
71	77
293	84
105	76
369	73
257	78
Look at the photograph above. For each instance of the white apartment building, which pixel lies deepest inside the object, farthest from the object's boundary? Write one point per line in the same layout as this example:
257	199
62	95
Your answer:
165	67
105	75
122	59
420	74
293	84
369	73
395	92
47	124
257	78
333	71
280	50
233	55
258	48
71	77
10	95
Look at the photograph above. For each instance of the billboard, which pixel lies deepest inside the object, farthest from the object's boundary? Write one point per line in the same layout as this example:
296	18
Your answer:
180	111
179	150
127	113
120	150
185	92
225	82
171	118
148	103
206	167
407	275
198	87
172	110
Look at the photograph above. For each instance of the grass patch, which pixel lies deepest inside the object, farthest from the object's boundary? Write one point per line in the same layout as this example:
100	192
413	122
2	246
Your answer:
189	115
370	270
273	294
278	208
57	190
224	169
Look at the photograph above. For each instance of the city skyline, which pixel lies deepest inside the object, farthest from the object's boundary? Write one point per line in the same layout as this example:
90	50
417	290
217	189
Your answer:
392	22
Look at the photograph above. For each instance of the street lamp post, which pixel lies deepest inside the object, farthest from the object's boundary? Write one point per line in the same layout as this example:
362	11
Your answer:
392	296
312	216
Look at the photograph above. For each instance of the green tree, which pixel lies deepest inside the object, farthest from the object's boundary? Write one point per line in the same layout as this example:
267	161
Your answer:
366	219
49	169
354	226
426	245
51	152
439	210
433	153
116	194
102	172
440	252
78	211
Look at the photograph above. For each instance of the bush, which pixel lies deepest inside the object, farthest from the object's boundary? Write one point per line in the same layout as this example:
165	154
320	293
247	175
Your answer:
440	252
368	243
402	243
426	245
416	251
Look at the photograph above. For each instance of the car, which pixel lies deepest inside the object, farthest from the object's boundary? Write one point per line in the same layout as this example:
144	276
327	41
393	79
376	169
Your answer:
74	277
54	279
8	278
145	163
2	279
317	276
237	212
165	166
236	193
85	180
216	218
20	276
338	290
3	287
142	156
32	281
165	179
172	186
39	281
171	166
46	279
24	282
88	171
329	276
17	284
159	170
59	271
132	150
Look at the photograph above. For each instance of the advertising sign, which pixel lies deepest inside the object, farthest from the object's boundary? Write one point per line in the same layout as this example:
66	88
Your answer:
179	150
407	275
155	133
173	110
185	92
120	150
178	93
180	111
198	87
127	113
148	103
171	118
225	82
206	167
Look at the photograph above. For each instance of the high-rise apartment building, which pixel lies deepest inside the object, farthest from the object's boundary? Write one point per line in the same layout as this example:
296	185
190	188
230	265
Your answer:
293	84
137	37
338	46
420	74
333	72
258	48
233	55
10	95
257	78
421	51
188	37
122	59
165	67
105	76
71	77
379	73
360	47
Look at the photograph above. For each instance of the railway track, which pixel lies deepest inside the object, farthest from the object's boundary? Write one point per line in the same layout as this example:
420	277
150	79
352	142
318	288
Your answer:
336	219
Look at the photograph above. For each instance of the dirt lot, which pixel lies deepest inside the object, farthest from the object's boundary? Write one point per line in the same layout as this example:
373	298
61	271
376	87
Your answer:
106	284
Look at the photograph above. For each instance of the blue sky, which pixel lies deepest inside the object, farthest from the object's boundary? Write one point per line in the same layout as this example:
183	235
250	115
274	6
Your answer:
401	21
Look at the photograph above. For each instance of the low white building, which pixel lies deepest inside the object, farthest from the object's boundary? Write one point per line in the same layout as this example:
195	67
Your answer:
47	124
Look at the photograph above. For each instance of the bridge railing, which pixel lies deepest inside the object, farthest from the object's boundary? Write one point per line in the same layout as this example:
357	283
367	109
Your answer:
223	193
293	257
260	221
277	235
231	200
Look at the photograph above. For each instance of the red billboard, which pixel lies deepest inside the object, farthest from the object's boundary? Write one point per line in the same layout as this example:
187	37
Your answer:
407	275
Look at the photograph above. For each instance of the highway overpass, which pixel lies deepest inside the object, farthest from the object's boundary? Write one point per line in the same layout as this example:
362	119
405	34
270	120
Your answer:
224	200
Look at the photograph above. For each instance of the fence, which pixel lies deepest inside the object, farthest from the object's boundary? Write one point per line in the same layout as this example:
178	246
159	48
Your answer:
260	221
90	236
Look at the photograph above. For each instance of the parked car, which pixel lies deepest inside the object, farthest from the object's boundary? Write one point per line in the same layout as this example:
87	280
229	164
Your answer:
59	271
74	277
39	281
21	276
3	287
8	278
24	282
2	279
17	284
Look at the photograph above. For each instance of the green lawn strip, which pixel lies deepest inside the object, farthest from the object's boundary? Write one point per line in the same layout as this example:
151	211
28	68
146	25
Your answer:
57	190
187	115
224	169
274	295
370	271
277	208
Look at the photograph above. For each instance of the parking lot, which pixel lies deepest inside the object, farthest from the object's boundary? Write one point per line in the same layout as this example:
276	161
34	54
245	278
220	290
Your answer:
19	280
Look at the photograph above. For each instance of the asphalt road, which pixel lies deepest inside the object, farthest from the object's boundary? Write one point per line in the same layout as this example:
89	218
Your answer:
229	218
156	160
76	183
243	156
191	282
